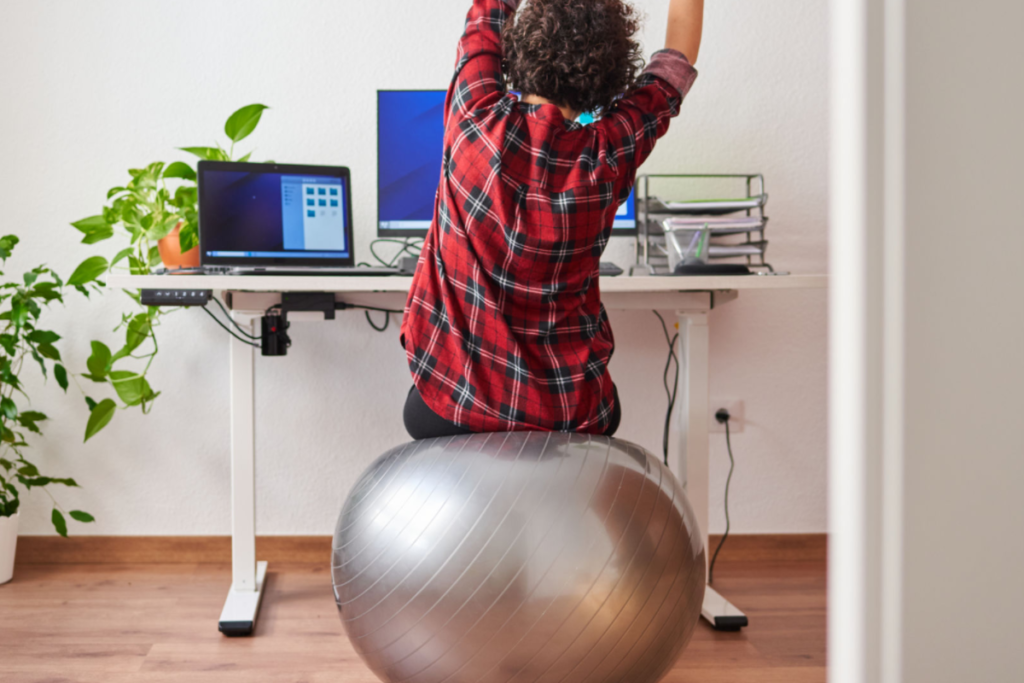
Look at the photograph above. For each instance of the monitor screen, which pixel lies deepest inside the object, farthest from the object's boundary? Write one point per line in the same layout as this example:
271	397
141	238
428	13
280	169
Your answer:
271	214
410	144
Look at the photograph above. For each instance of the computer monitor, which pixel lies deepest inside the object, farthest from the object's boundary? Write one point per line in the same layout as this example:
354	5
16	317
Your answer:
410	144
274	214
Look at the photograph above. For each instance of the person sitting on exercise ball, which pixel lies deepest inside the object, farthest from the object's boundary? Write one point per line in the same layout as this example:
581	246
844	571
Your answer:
504	327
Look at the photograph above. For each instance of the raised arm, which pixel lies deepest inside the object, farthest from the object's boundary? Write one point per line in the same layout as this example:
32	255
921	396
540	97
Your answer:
642	116
478	66
685	26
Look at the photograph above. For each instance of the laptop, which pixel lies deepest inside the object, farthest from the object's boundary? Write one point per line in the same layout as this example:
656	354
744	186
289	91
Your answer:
276	219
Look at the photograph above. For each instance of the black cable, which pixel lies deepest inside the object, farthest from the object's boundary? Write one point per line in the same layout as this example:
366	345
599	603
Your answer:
234	322
410	246
387	321
728	480
674	392
342	306
228	329
671	397
373	308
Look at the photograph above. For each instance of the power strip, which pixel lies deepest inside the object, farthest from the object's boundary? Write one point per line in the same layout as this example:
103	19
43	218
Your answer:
176	297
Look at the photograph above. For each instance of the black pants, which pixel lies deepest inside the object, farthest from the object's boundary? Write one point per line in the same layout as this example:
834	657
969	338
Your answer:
423	423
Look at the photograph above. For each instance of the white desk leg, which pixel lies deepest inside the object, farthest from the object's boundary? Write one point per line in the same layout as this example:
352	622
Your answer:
694	352
238	618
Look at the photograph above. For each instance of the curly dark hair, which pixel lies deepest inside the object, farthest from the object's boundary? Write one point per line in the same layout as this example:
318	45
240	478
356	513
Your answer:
578	54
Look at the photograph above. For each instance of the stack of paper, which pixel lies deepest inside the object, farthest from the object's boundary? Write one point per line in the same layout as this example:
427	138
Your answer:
706	207
729	225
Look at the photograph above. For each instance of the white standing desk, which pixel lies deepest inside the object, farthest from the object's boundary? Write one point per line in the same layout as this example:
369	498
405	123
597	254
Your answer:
248	297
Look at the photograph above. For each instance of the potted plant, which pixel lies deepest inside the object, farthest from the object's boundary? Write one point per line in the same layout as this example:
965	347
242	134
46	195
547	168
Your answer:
22	339
156	212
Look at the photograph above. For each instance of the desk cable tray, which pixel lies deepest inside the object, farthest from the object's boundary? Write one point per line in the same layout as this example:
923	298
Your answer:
737	225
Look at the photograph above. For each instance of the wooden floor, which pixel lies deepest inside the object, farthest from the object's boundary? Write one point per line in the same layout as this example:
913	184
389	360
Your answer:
110	623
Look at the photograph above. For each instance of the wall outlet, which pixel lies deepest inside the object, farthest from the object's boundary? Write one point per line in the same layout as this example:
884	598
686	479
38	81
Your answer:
736	416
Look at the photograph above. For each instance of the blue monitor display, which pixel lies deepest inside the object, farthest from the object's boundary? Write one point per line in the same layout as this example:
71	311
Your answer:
410	144
279	215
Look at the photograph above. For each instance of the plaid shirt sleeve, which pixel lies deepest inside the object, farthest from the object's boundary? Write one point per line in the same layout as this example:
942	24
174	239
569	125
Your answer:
478	65
640	118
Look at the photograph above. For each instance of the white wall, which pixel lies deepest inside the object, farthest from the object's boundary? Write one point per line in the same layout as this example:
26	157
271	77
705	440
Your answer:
926	549
963	520
88	90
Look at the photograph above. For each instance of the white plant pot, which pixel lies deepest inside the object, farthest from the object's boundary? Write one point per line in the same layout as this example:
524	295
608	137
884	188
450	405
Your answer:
8	542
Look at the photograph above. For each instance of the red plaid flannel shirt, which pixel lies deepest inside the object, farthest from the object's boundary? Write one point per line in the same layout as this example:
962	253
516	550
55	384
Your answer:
504	328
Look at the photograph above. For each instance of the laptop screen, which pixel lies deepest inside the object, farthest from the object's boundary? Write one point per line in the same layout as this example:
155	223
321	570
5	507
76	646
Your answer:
410	143
270	214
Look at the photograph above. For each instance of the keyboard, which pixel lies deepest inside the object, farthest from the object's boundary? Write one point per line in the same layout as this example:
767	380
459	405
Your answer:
608	269
336	271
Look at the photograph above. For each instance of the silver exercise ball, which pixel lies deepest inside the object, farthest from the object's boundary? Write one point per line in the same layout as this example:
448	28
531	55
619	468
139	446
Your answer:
516	558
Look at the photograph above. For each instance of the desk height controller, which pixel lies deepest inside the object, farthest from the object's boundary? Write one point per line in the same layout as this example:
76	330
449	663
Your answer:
175	297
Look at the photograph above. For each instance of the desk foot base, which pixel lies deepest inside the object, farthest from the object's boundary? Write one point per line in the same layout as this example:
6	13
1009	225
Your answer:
720	613
238	618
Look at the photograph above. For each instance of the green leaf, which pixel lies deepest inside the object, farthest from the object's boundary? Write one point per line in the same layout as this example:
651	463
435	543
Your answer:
99	361
188	237
185	197
19	312
95	228
7	509
89	402
99	417
61	374
179	169
88	270
7	407
160	230
80	516
39	359
37	482
58	523
245	158
208	153
136	266
29	418
7	243
42	337
115	190
243	122
28	470
131	387
98	236
146	178
91	224
121	255
9	343
45	291
138	331
30	278
48	351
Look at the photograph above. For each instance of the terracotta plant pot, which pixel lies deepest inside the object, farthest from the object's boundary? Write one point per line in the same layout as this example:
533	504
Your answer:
8	543
170	252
